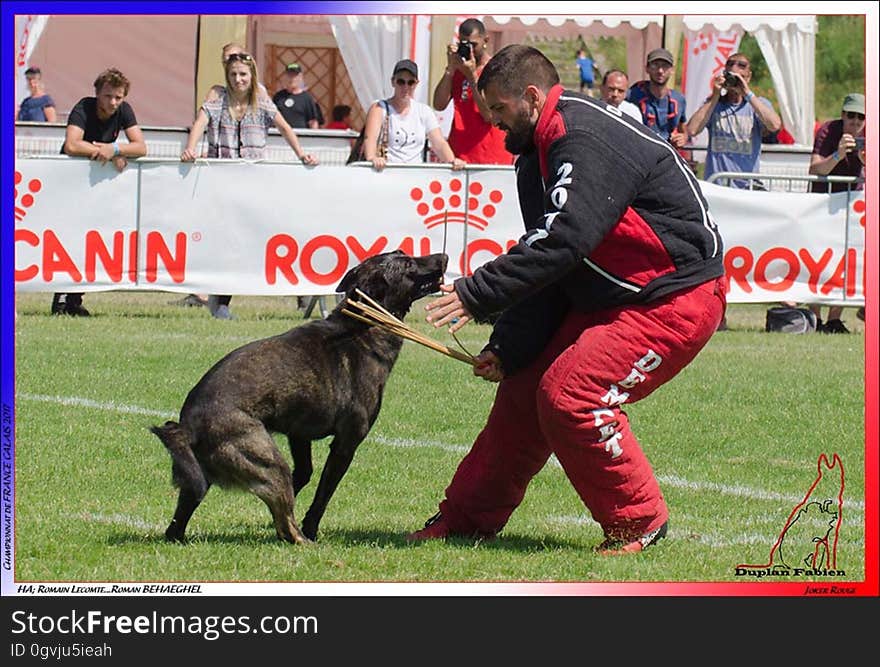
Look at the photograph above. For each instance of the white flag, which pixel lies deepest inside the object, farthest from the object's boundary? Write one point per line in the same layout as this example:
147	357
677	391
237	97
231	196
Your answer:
28	28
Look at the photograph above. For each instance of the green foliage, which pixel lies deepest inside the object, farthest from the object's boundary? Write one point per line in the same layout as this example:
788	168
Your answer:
840	62
734	440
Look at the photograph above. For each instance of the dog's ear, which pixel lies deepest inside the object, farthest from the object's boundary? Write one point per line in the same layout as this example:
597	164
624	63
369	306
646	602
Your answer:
349	280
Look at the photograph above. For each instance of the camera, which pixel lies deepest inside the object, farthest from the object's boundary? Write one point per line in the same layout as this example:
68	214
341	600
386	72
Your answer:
464	50
860	143
730	79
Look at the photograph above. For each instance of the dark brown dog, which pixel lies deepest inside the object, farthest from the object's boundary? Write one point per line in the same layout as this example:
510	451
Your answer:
323	378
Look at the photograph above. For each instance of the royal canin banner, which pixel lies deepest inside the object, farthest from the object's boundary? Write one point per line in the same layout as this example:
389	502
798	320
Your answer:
227	227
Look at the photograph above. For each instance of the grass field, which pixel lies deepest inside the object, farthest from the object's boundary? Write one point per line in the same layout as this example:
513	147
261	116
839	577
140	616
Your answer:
734	441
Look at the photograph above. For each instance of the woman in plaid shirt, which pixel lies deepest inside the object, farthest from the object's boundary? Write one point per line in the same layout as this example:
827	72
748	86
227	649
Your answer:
238	122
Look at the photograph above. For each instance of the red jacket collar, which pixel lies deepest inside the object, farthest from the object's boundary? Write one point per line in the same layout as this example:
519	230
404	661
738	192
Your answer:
550	126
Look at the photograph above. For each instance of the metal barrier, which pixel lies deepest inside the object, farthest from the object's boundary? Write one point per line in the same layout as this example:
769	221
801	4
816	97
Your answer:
331	147
757	181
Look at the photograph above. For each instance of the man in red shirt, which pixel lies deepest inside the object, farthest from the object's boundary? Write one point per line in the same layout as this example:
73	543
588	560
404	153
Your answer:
473	138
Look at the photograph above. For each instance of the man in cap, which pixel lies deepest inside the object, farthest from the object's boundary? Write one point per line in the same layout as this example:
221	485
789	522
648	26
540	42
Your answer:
663	109
295	103
839	150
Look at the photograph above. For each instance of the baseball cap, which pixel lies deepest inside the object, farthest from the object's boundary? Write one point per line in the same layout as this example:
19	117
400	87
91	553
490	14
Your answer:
296	68
407	65
661	54
854	102
37	70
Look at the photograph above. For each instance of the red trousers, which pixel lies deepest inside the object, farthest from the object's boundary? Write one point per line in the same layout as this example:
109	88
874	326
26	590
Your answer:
568	402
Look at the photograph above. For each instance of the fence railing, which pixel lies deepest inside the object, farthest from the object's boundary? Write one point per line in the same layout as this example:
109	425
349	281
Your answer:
788	182
331	147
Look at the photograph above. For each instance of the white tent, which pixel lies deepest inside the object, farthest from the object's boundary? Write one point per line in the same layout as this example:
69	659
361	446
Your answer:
370	44
788	44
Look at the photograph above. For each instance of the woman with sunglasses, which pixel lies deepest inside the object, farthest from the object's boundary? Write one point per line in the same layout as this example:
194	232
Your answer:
396	128
238	123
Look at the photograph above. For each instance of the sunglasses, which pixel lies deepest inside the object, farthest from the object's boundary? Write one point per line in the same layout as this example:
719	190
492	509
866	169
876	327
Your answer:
852	115
406	82
244	57
738	63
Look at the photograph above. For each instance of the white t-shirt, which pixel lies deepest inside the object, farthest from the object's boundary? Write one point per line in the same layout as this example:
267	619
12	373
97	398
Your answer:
407	133
631	109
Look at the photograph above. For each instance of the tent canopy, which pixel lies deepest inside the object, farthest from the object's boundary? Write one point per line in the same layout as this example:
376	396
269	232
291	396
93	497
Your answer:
787	42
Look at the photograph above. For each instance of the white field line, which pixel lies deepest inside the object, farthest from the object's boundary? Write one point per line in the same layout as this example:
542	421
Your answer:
675	481
117	520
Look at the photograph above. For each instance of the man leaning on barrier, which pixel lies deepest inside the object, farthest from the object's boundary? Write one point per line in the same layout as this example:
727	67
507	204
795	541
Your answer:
93	128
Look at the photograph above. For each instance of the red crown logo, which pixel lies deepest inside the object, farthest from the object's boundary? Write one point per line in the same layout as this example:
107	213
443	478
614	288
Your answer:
456	205
861	208
27	199
702	43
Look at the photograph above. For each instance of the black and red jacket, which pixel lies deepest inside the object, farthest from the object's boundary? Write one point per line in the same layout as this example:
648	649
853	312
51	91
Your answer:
613	216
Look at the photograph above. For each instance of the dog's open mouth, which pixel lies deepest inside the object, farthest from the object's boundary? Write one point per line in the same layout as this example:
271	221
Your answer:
430	282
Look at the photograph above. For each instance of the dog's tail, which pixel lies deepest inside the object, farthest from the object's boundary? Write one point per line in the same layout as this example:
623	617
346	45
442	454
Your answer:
186	471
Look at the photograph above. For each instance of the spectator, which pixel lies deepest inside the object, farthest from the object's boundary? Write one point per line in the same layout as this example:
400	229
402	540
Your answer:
836	152
93	128
736	120
592	314
834	148
614	86
663	109
238	123
229	50
39	106
396	128
341	118
587	68
295	103
472	137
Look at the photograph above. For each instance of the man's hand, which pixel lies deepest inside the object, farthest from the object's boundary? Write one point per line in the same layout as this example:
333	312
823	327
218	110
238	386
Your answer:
119	162
678	139
847	143
488	367
467	67
103	152
448	310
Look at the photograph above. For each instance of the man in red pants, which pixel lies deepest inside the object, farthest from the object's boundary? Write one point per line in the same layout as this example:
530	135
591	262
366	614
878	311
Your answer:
615	287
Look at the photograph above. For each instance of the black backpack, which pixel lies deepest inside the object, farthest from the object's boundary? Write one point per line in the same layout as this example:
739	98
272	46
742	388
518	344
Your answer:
785	319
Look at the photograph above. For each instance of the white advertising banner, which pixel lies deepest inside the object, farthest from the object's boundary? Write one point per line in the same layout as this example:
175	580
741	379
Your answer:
226	227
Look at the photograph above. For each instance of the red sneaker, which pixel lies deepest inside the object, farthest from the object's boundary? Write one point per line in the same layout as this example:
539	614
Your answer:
436	528
614	546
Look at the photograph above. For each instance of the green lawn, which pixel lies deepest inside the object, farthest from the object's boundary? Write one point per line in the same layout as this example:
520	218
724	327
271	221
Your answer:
734	441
